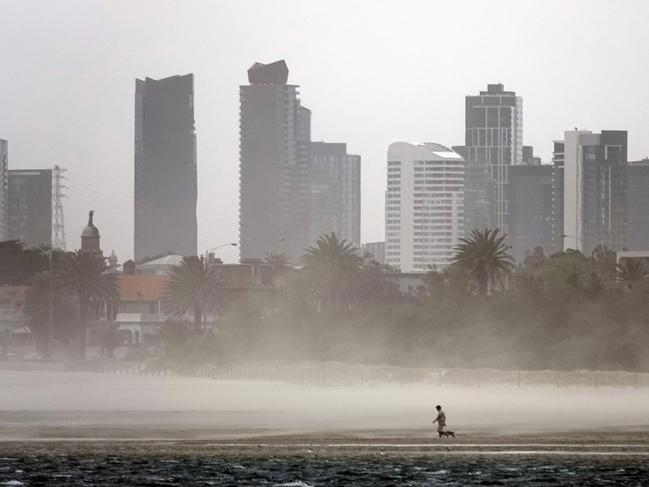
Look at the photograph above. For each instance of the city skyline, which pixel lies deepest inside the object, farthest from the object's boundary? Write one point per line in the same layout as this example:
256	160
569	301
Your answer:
79	114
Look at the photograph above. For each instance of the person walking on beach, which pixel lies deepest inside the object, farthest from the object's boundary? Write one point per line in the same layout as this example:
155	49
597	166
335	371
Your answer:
440	420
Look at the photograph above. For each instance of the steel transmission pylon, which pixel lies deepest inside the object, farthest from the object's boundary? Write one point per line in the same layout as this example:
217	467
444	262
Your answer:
58	221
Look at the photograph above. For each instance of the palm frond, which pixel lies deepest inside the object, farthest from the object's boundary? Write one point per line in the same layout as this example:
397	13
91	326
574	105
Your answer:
190	284
631	271
484	256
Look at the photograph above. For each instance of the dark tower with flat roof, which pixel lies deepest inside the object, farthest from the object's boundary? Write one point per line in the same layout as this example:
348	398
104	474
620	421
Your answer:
637	211
165	167
30	206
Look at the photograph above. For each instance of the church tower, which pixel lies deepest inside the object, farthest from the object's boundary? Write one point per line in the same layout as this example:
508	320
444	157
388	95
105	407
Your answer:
90	236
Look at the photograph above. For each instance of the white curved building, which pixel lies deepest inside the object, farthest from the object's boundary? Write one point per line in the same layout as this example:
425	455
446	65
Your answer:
424	208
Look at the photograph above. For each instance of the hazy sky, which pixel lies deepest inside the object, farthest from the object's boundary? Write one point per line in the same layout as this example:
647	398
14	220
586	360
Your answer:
373	72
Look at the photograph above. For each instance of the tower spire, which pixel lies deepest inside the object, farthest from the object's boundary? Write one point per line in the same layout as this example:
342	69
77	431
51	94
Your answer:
90	236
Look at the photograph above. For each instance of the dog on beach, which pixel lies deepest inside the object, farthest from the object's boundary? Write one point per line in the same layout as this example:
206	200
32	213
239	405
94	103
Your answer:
446	434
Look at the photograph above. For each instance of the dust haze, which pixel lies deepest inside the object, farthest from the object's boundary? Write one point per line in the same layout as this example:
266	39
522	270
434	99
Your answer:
87	405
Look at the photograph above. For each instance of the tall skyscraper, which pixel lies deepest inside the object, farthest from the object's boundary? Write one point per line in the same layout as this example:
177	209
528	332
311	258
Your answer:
4	190
637	211
493	143
594	189
530	197
558	153
30	206
335	192
275	136
165	167
423	206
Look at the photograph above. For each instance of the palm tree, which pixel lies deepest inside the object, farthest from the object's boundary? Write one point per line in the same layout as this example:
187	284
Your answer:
333	262
603	261
84	277
277	259
632	271
484	257
193	287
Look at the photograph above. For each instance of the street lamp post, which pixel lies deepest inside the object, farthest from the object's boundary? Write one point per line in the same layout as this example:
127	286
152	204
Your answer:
231	244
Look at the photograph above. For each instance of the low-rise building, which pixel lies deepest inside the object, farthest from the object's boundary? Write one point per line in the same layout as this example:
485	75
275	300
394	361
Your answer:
139	315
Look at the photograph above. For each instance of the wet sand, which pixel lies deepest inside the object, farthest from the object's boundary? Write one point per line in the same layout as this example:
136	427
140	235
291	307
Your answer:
632	448
169	441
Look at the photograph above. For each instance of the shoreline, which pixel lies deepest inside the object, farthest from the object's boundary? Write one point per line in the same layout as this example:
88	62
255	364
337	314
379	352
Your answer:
350	439
595	445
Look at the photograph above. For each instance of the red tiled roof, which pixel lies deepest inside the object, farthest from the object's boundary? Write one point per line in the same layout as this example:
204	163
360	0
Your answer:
141	287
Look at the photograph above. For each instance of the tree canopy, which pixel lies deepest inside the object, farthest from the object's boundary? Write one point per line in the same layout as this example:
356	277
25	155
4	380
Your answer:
193	287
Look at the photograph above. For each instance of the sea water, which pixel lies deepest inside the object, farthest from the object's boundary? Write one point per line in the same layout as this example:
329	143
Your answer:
29	469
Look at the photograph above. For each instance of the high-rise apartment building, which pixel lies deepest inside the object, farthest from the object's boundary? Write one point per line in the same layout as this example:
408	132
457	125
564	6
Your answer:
423	206
557	196
594	189
335	192
165	167
30	206
530	218
637	205
275	195
493	143
4	190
